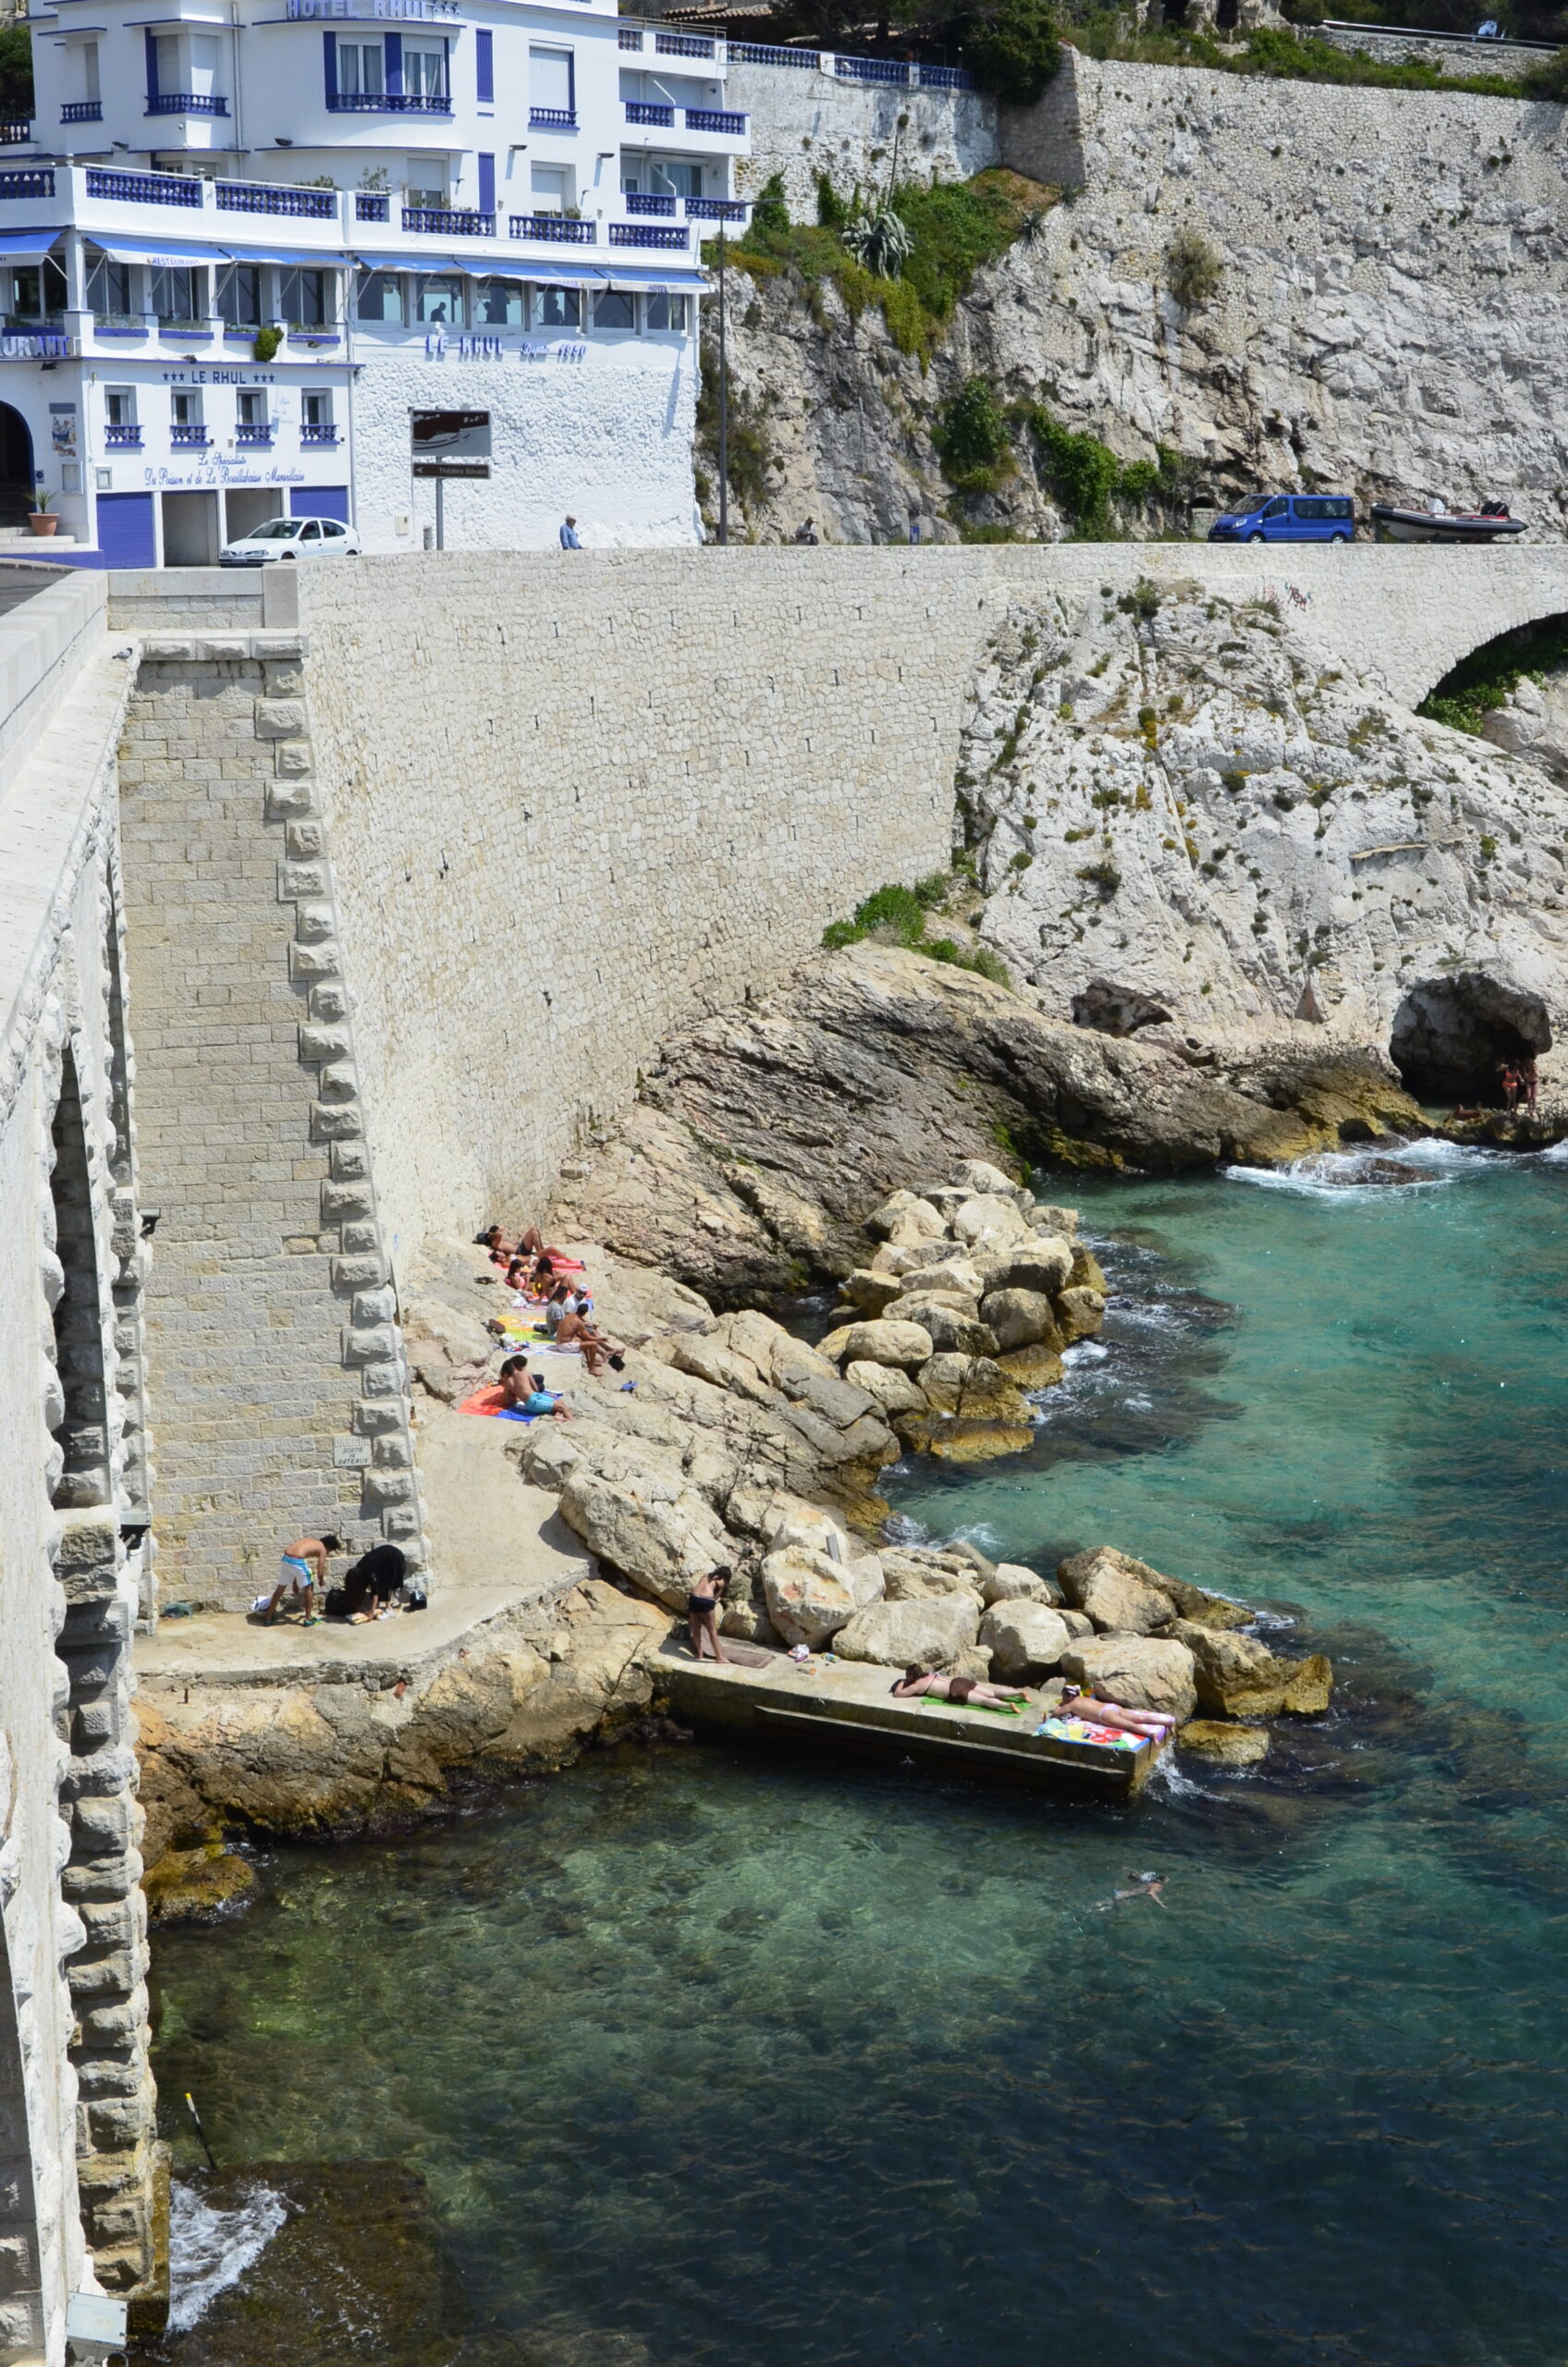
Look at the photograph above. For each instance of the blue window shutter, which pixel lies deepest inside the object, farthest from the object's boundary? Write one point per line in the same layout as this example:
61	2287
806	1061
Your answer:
485	67
329	52
394	65
488	184
153	90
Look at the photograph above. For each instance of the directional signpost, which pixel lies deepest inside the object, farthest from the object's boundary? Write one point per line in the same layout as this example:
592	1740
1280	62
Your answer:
448	444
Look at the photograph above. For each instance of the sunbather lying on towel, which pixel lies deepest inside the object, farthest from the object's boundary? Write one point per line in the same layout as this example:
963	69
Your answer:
916	1681
527	1393
1075	1703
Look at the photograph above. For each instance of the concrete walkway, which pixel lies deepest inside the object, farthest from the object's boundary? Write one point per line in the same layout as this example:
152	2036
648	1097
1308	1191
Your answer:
229	1648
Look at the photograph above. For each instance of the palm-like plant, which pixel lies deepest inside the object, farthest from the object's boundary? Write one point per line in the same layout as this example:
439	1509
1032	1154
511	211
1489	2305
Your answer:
878	239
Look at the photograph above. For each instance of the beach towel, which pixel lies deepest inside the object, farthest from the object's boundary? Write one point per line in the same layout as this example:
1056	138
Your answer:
995	1709
1080	1730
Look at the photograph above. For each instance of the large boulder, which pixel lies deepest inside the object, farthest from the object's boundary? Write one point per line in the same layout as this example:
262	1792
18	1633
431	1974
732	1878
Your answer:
809	1596
1222	1745
1241	1678
1024	1639
911	1577
988	1220
953	1323
974	1386
1192	1602
658	1530
906	1344
1033	1368
977	1176
1020	1319
872	1292
1042	1264
933	1631
1087	1272
950	1277
1080	1313
894	1392
891	1216
1011	1582
1141	1672
1117	1593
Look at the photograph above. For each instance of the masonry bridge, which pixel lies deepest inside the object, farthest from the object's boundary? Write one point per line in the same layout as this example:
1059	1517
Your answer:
392	872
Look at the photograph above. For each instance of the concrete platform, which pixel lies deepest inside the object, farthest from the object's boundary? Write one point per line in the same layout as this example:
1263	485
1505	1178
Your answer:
839	1705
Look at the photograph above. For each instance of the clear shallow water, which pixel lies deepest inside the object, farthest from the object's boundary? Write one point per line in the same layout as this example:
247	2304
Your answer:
709	2056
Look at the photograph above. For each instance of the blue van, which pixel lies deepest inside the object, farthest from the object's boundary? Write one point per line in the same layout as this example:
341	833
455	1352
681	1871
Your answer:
1290	518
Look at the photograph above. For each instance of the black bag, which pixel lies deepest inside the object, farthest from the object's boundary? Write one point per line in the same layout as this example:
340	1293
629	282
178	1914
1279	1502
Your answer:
336	1603
414	1598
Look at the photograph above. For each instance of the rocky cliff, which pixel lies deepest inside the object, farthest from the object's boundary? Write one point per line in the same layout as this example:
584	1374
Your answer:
1389	314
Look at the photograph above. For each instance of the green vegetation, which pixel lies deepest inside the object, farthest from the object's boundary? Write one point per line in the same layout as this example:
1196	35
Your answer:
953	228
1484	678
1277	54
750	448
974	438
1192	270
896	916
265	343
1087	479
1549	78
16	73
1013	49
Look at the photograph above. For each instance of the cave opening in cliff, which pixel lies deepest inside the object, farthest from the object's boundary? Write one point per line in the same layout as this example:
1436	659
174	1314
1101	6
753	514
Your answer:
1452	1035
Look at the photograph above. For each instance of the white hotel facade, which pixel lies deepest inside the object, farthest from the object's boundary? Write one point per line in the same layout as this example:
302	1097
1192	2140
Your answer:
492	206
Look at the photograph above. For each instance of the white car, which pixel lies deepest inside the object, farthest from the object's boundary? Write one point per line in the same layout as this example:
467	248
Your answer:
290	538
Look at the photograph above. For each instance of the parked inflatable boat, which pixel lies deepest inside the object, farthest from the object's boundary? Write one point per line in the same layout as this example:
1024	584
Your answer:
1491	524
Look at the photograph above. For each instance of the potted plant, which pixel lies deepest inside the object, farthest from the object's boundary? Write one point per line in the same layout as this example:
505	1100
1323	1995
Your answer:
41	518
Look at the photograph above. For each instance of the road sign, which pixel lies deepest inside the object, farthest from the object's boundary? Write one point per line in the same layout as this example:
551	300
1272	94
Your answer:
450	442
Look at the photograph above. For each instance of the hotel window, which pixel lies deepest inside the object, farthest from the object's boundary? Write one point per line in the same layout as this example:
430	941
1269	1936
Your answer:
91	90
429	199
498	304
557	308
547	188
315	410
424	69
251	407
303	301
665	312
179	295
440	300
108	288
613	310
362	69
185	410
550	82
380	296
239	296
38	292
119	407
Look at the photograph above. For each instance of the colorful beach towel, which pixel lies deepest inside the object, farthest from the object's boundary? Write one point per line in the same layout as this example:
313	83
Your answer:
1080	1730
493	1401
994	1708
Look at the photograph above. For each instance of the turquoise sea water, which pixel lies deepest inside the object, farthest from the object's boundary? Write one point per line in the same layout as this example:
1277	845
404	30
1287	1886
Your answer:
733	2058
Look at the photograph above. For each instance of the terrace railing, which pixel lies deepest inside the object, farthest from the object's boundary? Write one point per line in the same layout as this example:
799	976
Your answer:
264	197
445	222
557	229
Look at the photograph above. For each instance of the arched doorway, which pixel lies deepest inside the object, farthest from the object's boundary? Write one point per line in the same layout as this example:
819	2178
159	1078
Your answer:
16	467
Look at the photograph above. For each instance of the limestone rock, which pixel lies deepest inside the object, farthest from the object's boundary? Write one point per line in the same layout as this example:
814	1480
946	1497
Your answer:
955	1439
933	1631
662	1534
1241	1678
893	1390
1045	1265
988	1221
1047	1217
1011	1582
896	1208
1032	1369
1024	1639
975	1661
1020	1319
872	1293
198	1886
1078	1622
1080	1313
962	1553
809	1596
974	1387
1224	1746
915	1224
911	1578
949	1323
906	1344
1087	1272
1141	1672
975	1176
1116	1593
950	1277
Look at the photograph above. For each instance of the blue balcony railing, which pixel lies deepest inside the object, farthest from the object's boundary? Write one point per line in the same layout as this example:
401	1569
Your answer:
552	118
683	45
873	70
388	103
560	229
716	209
253	435
767	52
649	202
138	189
14	135
646	234
945	77
632	37
124	437
319	431
372	209
187	436
264	197
443	222
83	111
185	103
648	111
38	182
717	119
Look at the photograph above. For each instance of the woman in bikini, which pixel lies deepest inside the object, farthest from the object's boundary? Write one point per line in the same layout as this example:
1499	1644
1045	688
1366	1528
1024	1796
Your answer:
702	1611
1155	1725
916	1681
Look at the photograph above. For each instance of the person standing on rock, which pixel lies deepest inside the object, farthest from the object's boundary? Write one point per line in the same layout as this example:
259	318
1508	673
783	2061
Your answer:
304	1569
702	1611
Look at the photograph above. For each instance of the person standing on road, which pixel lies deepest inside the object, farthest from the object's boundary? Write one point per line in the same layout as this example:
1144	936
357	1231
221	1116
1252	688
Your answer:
570	539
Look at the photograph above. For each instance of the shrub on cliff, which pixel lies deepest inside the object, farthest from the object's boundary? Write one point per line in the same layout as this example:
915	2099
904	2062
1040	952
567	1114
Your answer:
1548	78
770	212
974	438
1013	49
896	916
1192	270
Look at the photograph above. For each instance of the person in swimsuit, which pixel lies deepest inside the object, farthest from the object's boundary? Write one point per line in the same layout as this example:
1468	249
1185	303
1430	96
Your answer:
580	1331
916	1681
702	1611
1154	1724
304	1568
527	1392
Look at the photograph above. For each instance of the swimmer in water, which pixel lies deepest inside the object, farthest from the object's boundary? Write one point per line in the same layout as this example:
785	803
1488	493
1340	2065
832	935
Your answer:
1149	1886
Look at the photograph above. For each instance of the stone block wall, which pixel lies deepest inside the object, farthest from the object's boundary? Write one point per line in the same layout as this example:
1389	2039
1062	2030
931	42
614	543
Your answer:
805	122
272	1341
